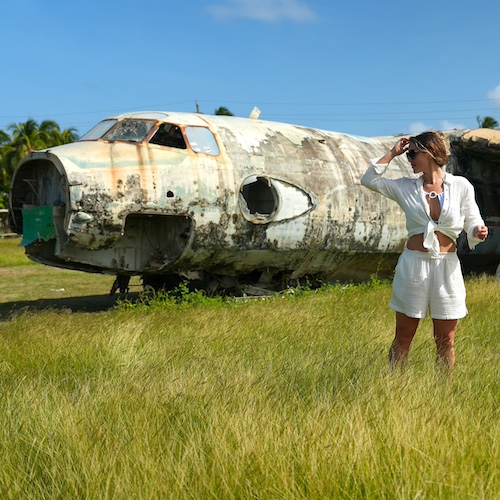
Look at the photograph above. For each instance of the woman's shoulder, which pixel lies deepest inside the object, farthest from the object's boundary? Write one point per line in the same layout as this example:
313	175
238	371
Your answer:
459	180
461	183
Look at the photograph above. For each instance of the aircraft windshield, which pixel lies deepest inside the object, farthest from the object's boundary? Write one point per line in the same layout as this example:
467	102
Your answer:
97	132
129	131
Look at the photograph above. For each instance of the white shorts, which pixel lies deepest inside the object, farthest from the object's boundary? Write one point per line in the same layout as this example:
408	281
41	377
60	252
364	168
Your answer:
423	283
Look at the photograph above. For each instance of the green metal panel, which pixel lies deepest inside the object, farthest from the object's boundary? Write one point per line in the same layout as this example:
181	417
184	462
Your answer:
38	224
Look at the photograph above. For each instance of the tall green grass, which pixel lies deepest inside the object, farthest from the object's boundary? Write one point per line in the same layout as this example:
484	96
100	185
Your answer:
288	397
11	254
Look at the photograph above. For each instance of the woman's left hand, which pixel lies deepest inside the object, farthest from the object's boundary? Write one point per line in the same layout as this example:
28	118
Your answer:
481	232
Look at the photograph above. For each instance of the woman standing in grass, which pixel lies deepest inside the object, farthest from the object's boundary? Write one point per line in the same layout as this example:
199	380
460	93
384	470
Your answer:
438	206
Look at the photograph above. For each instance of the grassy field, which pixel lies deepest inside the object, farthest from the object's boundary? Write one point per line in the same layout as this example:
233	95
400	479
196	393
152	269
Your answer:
25	285
288	397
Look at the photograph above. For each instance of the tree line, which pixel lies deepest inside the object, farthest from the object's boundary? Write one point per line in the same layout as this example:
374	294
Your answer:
23	138
20	140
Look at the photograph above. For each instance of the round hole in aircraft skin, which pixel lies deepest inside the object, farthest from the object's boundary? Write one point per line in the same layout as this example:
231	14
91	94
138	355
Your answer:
265	199
260	198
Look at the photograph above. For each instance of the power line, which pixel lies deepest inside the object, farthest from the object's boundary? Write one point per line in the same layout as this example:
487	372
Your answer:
264	103
381	103
473	110
401	116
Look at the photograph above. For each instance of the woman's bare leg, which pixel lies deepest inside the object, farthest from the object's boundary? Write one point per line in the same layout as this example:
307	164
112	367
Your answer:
444	336
405	331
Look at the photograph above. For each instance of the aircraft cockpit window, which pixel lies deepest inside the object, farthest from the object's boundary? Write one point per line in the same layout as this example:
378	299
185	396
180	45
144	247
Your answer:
129	131
169	135
202	140
98	131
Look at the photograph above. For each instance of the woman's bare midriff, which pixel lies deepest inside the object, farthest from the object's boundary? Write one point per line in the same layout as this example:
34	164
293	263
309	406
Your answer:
416	242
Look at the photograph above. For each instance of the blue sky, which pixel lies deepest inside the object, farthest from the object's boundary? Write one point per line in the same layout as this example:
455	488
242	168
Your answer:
360	67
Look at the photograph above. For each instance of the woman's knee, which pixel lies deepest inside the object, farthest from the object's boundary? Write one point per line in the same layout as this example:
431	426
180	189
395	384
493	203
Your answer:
406	328
444	332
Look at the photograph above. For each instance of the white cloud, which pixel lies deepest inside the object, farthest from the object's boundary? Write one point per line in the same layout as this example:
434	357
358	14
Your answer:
418	127
495	94
446	125
264	10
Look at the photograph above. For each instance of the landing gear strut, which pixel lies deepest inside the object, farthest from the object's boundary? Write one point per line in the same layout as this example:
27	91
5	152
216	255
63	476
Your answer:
121	283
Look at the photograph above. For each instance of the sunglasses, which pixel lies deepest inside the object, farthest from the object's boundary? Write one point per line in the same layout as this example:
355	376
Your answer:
411	155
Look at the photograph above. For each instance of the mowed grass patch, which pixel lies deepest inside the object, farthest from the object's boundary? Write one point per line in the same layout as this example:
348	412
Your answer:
288	397
25	284
11	254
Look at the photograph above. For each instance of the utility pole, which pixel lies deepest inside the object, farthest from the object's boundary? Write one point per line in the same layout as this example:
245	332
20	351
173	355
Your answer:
197	107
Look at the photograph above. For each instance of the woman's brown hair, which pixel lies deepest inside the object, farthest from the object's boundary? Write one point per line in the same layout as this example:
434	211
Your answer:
435	144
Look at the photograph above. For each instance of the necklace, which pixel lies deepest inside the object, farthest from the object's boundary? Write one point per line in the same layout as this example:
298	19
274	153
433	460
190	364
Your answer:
433	194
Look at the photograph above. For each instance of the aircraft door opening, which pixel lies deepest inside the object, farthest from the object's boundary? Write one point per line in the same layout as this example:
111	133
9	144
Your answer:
151	242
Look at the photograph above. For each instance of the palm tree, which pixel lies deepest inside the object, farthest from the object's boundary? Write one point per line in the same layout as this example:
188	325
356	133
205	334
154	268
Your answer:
4	137
68	135
487	122
30	136
223	111
24	139
8	161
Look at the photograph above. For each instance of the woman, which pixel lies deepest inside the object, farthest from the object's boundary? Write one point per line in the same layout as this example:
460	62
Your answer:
438	206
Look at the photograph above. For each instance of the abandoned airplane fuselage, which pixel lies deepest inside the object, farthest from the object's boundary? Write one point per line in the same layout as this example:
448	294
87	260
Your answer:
216	197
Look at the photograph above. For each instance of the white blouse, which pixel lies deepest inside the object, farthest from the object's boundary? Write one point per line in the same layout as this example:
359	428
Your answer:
458	212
